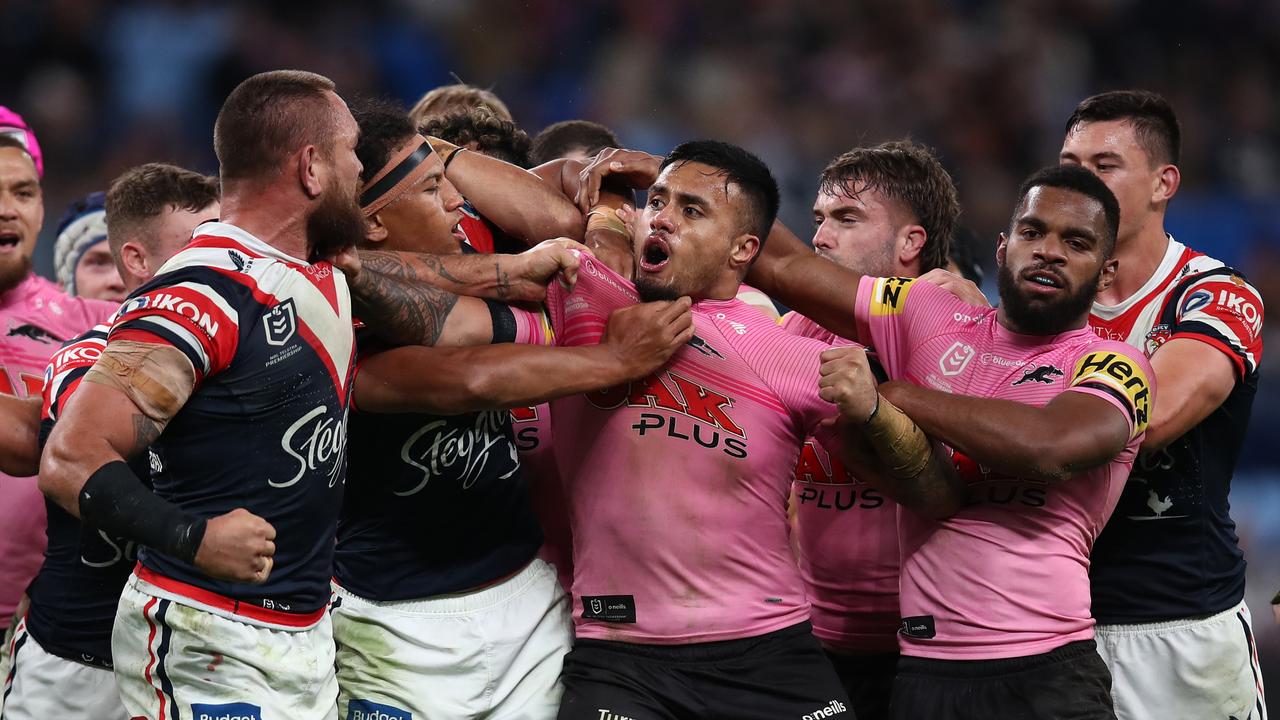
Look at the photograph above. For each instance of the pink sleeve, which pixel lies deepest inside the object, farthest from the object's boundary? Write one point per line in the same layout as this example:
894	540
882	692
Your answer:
533	328
789	365
1119	374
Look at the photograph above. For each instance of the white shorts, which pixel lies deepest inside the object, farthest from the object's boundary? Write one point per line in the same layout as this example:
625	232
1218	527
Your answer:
494	653
1194	669
173	656
47	686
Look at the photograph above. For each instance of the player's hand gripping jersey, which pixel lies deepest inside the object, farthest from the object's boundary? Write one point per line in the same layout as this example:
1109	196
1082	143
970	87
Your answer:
678	483
1007	576
847	533
265	429
1170	550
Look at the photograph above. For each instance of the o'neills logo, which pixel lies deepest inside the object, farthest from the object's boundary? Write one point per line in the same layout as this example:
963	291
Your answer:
317	441
833	708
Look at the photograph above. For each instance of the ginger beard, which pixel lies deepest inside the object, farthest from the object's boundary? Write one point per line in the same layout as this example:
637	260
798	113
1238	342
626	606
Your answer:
335	224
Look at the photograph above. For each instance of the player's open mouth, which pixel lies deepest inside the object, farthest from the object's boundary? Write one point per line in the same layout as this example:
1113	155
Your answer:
655	254
1044	279
458	232
9	240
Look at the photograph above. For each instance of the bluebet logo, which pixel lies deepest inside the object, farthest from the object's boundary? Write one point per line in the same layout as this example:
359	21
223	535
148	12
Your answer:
225	711
368	710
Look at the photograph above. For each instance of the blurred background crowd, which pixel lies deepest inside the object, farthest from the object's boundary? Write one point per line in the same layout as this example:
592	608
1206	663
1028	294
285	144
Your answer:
107	85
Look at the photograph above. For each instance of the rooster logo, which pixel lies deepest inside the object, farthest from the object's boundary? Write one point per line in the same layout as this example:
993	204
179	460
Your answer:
1157	505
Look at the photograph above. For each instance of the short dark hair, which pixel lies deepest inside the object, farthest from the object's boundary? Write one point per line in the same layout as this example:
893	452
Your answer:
269	116
741	168
559	139
493	136
964	253
907	173
1076	179
1154	123
146	191
384	126
9	141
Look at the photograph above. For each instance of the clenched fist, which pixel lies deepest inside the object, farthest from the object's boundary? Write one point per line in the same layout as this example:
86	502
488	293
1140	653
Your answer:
845	379
237	546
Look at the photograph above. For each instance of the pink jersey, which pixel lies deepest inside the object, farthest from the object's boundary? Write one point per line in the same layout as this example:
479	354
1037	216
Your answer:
36	317
678	483
847	534
1007	576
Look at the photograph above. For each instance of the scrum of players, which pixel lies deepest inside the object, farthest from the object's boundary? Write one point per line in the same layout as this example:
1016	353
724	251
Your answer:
406	416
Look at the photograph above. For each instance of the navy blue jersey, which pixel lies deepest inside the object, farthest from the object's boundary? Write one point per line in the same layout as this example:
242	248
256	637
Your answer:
436	504
1170	549
271	342
74	596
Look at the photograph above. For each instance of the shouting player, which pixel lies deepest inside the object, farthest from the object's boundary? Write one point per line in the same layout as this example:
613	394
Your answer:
1168	574
1044	418
443	607
687	600
35	318
62	664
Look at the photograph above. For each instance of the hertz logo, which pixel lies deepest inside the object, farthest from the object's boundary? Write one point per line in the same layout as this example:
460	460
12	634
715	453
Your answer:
1118	374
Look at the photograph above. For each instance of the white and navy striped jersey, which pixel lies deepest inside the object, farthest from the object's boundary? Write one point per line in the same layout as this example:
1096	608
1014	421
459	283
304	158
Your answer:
1170	549
270	338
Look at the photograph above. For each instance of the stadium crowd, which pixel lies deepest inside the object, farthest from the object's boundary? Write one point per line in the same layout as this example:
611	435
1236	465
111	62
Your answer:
410	410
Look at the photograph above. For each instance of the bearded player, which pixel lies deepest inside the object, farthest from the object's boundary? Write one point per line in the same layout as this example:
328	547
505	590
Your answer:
1044	418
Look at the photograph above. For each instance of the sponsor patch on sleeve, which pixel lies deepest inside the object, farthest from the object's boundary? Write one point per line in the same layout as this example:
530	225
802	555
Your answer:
1120	376
889	295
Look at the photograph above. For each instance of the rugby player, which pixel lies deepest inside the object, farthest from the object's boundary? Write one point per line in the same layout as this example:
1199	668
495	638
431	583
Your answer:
1044	419
82	259
884	210
442	605
62	664
1168	573
233	365
687	600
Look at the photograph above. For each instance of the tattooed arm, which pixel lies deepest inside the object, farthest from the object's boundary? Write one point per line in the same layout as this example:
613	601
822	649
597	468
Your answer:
418	299
120	407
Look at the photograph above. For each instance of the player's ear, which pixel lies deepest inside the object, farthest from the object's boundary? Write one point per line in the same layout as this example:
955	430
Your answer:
1001	243
1167	182
134	260
374	230
309	171
744	249
910	242
1108	274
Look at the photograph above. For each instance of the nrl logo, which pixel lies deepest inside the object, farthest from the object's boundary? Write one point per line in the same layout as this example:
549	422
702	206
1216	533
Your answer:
281	323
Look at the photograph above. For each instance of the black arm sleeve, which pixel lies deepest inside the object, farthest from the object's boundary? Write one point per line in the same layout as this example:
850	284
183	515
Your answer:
115	500
504	321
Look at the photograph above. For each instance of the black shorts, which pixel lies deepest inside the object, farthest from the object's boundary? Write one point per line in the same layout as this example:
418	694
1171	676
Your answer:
868	679
783	674
1069	683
